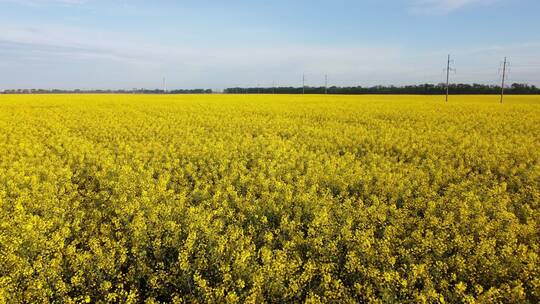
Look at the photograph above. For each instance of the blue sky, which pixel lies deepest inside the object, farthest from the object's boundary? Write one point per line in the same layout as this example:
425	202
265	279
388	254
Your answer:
216	44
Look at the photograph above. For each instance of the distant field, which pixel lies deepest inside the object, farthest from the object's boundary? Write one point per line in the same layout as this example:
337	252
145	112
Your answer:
274	198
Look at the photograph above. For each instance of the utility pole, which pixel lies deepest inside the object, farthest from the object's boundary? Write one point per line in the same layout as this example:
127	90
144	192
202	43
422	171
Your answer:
164	86
303	83
503	79
273	87
326	84
448	69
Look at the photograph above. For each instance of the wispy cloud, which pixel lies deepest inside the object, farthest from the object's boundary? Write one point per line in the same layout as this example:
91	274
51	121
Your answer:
67	57
40	3
57	47
446	6
62	56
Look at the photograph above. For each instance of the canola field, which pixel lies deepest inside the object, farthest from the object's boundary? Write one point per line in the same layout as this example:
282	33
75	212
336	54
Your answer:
254	199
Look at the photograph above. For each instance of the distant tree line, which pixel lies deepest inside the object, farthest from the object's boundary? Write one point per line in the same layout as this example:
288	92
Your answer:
134	91
427	89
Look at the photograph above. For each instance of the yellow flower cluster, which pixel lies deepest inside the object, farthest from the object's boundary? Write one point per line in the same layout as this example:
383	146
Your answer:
253	199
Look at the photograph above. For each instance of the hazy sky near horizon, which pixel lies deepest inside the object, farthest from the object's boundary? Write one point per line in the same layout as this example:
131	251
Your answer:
121	44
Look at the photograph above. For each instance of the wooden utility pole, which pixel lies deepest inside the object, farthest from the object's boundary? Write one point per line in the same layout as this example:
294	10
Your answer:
503	79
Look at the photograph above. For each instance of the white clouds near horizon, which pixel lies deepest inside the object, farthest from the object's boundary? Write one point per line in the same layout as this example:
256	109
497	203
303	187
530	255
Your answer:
106	44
